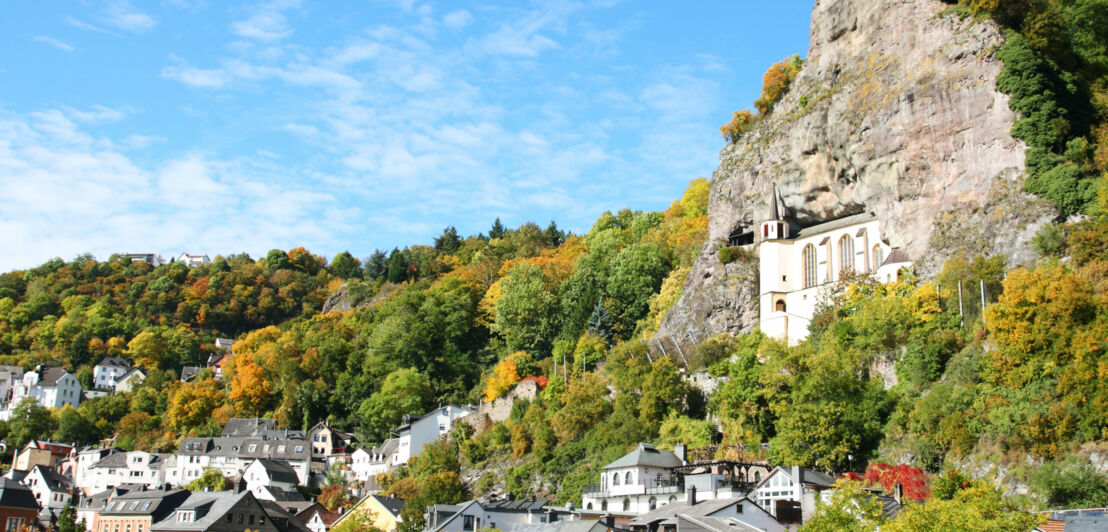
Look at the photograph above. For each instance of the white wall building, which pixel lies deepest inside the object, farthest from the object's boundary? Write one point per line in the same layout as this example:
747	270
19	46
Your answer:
108	371
51	489
415	433
794	264
135	467
130	380
82	462
50	387
191	260
794	489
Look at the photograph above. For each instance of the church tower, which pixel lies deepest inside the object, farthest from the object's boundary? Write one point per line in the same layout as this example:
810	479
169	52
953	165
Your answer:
775	227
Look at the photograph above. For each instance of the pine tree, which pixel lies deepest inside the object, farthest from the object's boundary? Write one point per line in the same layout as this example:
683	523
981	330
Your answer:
600	322
554	235
398	266
497	230
377	265
448	242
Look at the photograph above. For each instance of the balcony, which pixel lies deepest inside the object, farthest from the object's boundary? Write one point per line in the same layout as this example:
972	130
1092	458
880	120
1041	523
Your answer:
595	490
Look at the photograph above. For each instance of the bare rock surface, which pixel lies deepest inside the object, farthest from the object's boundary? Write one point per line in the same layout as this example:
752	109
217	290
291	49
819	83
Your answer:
895	112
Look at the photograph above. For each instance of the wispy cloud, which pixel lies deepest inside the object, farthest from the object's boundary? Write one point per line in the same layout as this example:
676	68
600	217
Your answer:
457	19
121	14
197	77
83	25
50	41
266	22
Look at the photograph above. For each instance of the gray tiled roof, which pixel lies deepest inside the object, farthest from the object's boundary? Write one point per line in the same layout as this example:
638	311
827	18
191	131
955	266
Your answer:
706	508
51	376
209	507
392	504
115	362
16	495
245	427
155	503
54	480
278	471
833	224
646	455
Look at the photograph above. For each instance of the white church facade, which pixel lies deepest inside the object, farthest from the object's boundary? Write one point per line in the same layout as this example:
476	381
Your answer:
794	264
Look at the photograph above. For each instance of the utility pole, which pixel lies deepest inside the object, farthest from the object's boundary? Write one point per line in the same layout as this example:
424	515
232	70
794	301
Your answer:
960	315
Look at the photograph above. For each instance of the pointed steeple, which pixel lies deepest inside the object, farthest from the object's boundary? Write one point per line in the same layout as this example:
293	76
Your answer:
775	214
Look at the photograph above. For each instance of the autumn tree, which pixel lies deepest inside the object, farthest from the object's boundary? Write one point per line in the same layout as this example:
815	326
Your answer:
251	392
345	266
776	82
193	403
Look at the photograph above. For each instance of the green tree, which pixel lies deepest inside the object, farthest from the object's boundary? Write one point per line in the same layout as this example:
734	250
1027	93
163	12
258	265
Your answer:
210	480
30	421
978	508
73	427
344	265
377	265
67	521
497	230
637	272
398	266
277	259
449	241
404	392
851	509
526	313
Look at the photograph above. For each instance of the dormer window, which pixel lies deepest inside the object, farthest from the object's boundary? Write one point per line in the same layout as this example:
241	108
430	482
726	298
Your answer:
186	516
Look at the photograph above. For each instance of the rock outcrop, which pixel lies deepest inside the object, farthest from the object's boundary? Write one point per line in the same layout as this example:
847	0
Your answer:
895	112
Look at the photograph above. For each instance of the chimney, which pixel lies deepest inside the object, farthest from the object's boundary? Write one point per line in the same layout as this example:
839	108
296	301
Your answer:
681	451
692	496
609	520
798	480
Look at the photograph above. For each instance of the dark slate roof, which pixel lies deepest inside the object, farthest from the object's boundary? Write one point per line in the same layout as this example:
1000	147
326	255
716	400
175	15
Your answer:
16	495
521	505
54	480
112	460
98	500
714	524
209	507
155	503
278	471
117	362
386	449
646	455
51	376
284	496
284	520
245	427
195	446
189	372
668	511
278	449
391	504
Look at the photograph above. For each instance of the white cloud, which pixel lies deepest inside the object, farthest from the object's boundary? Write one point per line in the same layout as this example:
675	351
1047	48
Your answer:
50	41
121	14
457	19
197	77
263	26
83	25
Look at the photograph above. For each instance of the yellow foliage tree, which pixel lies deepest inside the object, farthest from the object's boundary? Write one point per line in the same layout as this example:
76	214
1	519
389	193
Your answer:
193	403
250	391
776	81
694	202
504	376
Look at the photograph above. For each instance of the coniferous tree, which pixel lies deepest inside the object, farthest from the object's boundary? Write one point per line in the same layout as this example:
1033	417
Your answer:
449	241
377	265
497	230
554	235
398	266
600	322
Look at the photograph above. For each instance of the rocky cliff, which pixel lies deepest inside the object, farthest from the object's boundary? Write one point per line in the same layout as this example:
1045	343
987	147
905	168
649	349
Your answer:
895	112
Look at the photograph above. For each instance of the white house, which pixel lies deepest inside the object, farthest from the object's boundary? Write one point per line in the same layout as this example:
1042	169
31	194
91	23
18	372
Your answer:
191	260
266	473
731	514
415	433
636	483
794	263
82	461
135	467
51	489
791	493
108	371
130	380
49	387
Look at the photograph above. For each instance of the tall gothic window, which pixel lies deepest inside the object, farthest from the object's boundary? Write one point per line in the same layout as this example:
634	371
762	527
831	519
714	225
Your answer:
846	253
809	259
878	256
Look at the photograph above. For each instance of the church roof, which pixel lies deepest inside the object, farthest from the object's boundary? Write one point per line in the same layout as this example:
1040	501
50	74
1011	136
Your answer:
646	455
838	223
896	257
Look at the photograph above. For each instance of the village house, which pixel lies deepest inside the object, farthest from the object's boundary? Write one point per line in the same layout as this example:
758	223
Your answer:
796	262
319	519
51	489
137	510
134	467
107	372
49	387
149	258
503	515
38	452
227	511
191	260
272	480
790	494
385	512
130	380
414	433
18	507
90	506
327	441
740	513
79	463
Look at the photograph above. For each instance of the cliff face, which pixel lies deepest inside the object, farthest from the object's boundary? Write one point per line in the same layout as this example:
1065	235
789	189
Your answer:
895	112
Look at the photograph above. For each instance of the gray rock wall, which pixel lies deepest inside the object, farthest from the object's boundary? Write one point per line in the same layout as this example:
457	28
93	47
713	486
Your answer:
896	113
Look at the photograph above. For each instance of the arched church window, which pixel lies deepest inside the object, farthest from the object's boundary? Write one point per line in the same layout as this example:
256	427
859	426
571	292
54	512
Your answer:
878	256
780	306
846	253
615	479
588	506
627	505
809	259
627	478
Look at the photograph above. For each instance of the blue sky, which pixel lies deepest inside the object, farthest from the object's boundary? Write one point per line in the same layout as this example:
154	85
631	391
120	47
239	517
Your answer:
223	127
